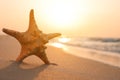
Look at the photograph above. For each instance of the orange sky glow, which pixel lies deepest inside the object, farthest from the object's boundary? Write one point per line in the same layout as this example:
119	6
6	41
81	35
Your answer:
87	18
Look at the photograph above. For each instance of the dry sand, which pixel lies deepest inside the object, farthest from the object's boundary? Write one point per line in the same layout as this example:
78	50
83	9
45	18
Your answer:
68	67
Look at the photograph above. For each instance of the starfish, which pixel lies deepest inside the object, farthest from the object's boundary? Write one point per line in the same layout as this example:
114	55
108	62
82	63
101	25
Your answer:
32	41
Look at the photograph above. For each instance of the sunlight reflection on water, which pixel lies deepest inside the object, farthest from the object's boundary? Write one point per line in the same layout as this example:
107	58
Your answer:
64	40
58	45
59	41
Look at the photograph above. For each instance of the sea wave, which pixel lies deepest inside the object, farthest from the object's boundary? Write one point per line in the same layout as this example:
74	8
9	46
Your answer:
102	44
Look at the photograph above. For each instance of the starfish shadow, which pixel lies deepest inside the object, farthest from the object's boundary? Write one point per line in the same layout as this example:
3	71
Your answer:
14	71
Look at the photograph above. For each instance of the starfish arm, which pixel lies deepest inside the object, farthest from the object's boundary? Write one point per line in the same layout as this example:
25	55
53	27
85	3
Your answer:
53	35
24	53
32	22
43	57
13	33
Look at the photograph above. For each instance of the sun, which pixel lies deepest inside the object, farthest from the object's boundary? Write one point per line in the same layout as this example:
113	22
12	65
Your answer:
60	13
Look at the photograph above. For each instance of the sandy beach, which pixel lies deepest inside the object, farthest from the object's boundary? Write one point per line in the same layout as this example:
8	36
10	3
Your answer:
68	67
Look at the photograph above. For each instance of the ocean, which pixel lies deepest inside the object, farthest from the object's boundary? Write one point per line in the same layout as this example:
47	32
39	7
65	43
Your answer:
105	50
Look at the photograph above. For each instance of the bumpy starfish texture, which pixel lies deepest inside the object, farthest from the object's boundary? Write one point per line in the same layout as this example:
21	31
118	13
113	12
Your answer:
32	41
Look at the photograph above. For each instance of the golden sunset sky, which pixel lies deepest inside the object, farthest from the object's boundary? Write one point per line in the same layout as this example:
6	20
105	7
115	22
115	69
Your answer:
89	18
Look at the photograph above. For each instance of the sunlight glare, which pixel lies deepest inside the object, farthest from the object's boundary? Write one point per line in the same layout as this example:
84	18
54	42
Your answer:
63	13
64	40
58	45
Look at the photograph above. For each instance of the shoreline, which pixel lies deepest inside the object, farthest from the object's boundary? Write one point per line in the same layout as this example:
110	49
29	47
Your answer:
108	58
